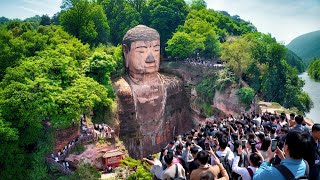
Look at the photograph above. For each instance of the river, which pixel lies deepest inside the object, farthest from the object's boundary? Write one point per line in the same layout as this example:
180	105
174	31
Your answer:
313	89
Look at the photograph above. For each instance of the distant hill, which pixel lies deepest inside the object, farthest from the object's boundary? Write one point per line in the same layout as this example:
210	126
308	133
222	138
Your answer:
306	46
294	60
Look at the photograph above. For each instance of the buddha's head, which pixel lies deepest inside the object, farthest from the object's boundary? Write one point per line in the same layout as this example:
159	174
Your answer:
141	49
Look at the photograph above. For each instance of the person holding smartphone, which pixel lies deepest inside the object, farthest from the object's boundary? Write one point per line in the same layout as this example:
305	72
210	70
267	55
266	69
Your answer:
294	146
246	172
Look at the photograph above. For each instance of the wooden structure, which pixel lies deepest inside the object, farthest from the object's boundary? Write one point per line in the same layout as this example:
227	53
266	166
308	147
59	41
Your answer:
112	158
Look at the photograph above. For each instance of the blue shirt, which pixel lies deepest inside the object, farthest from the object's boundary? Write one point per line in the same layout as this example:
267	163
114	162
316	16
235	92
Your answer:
297	167
300	127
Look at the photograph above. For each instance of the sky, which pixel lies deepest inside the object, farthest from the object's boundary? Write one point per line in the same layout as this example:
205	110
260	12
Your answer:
27	8
284	19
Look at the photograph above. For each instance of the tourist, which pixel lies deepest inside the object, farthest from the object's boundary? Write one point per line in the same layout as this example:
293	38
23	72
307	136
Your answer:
293	148
315	143
299	127
224	150
174	170
156	167
292	121
204	167
194	164
246	173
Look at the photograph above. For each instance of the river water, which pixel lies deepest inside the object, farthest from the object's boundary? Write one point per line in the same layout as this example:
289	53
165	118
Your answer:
313	89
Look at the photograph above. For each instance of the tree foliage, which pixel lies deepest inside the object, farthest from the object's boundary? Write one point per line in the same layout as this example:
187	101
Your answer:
165	16
138	170
182	45
3	20
45	20
295	61
272	77
237	55
246	95
314	69
122	15
47	81
86	21
86	171
198	4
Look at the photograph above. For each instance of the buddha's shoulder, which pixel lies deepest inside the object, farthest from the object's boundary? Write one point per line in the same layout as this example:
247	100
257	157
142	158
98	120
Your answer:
122	87
170	79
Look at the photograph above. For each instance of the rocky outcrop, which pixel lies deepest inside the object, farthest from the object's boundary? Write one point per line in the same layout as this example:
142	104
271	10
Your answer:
62	137
227	101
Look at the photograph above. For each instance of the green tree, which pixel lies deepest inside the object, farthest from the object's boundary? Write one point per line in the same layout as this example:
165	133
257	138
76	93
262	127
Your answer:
137	169
202	31
182	45
139	5
246	95
198	4
122	16
48	83
3	20
237	55
86	171
86	21
272	77
165	16
45	20
314	69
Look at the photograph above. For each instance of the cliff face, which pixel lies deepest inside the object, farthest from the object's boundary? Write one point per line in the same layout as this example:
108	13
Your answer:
63	136
228	101
144	135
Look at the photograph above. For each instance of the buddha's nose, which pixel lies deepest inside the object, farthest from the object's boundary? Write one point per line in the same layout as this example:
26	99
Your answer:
150	59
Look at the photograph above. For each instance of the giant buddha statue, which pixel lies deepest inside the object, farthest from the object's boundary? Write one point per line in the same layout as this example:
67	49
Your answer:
153	107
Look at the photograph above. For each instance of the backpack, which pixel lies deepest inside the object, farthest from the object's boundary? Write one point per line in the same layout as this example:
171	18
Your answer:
288	174
176	175
250	172
225	162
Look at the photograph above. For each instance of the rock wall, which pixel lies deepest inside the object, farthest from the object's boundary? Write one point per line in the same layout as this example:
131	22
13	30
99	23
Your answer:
63	136
227	101
144	136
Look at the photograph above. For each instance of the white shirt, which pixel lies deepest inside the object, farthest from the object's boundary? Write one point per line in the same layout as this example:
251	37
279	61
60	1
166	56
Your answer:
157	169
224	153
242	171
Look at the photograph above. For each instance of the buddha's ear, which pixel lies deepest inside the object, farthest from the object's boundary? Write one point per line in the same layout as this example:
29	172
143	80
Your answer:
125	51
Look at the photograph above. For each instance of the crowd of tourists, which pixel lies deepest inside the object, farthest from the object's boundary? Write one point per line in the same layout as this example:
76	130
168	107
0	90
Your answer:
267	146
203	62
102	131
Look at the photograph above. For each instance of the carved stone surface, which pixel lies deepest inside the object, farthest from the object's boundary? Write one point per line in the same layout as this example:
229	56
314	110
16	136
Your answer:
153	107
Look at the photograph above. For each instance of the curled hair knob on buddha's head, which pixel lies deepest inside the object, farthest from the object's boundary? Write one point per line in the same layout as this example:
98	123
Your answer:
140	33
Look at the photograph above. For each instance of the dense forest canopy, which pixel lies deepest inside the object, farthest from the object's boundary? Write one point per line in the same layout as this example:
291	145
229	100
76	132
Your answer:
306	46
55	68
314	69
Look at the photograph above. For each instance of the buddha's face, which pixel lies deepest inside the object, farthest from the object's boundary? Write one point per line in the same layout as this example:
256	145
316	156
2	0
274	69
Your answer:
143	57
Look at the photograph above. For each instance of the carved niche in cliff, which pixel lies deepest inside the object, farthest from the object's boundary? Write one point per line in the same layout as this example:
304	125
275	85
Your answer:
153	107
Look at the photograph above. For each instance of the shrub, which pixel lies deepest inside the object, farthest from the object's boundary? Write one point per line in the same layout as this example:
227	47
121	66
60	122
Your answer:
246	95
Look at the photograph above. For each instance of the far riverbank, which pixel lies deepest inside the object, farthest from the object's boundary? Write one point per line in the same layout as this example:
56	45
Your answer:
313	89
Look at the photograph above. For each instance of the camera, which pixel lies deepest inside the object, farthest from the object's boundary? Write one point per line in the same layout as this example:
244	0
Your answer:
206	146
243	143
253	147
274	144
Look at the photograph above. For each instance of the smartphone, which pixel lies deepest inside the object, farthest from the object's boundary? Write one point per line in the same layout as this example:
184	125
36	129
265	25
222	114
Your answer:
253	147
274	144
206	146
243	143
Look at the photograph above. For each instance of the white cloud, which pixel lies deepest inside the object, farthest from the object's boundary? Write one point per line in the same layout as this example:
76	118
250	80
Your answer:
285	19
34	11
